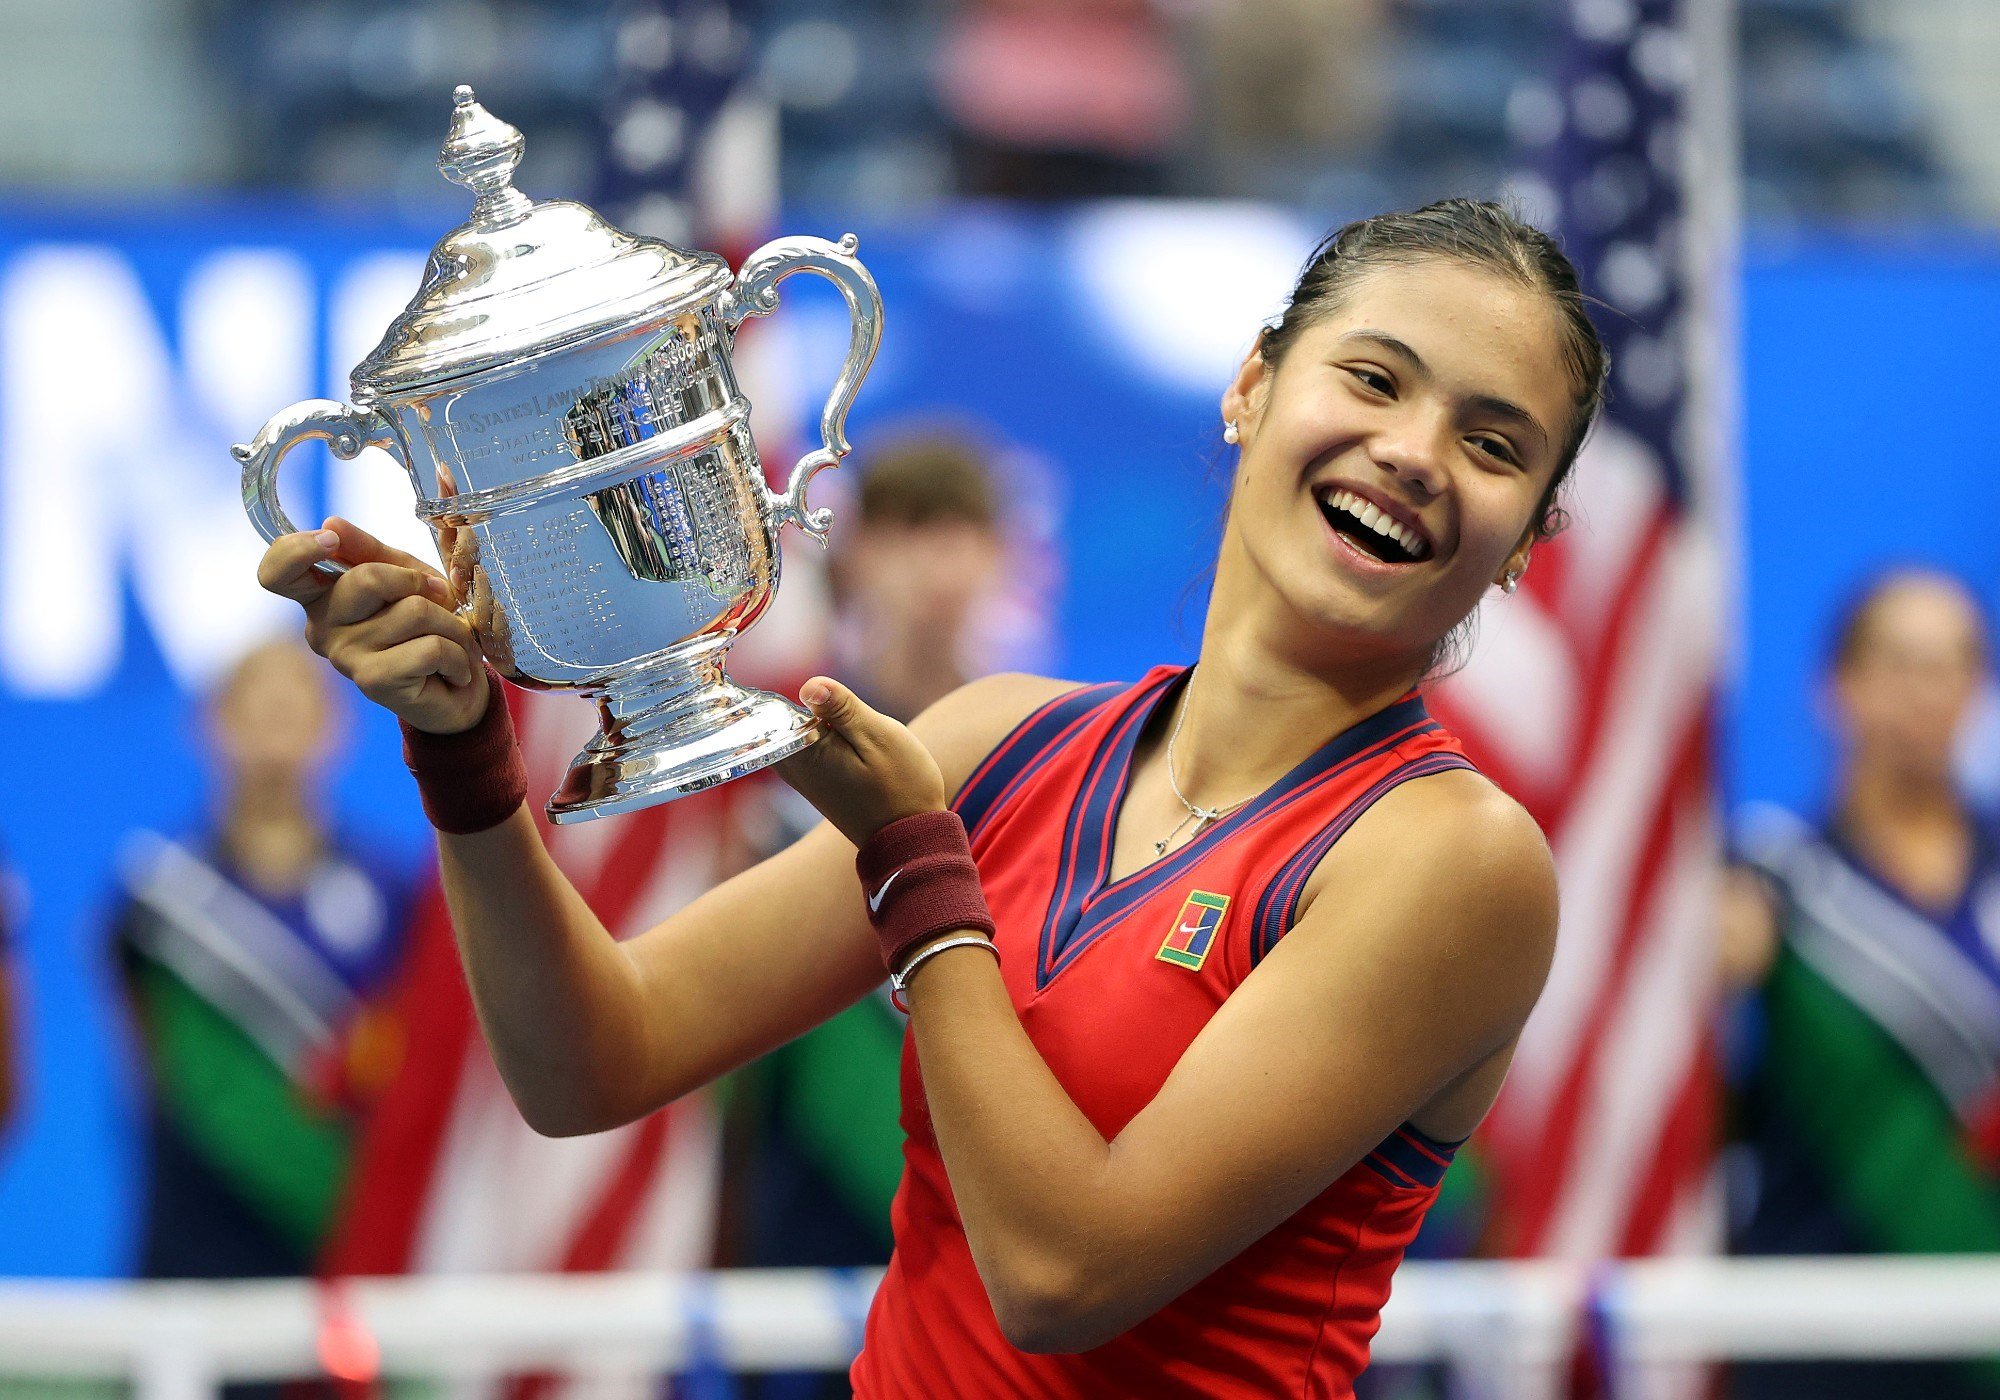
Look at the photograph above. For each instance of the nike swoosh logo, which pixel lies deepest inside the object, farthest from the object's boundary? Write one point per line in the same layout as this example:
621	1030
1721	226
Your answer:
875	899
1185	928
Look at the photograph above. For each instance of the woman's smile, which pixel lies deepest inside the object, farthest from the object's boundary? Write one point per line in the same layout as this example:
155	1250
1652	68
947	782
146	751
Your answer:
1392	539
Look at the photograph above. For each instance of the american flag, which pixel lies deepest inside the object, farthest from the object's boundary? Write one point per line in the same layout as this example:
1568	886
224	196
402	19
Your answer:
449	1178
1591	693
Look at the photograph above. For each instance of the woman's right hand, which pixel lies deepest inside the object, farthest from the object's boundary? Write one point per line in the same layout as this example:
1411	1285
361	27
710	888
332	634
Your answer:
386	624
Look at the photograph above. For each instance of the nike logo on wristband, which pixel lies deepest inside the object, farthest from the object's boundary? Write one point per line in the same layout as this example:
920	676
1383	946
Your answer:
875	899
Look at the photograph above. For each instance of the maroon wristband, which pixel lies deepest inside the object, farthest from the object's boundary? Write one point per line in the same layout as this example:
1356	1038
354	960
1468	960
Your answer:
919	880
474	779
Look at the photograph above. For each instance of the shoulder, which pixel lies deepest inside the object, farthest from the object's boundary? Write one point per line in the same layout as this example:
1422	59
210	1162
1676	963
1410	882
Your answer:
1462	811
1472	842
1452	869
964	727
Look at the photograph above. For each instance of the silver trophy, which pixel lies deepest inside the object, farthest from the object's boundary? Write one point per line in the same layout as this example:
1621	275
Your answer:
562	397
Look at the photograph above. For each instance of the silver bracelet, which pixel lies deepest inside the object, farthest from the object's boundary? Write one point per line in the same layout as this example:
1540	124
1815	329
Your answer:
900	980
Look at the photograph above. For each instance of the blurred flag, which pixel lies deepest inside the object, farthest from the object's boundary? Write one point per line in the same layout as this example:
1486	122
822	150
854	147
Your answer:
450	1178
1592	692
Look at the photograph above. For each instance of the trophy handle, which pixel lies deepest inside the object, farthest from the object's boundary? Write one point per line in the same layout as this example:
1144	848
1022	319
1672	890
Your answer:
343	427
755	293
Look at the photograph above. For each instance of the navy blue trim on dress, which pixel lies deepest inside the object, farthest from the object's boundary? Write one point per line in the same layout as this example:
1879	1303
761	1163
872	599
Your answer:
1410	1157
1097	797
1084	905
1028	745
1278	906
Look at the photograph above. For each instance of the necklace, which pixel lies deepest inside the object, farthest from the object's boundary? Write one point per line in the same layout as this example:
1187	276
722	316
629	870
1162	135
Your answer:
1199	815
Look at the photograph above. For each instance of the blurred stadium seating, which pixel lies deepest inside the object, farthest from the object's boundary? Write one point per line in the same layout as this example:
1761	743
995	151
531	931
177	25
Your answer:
1854	110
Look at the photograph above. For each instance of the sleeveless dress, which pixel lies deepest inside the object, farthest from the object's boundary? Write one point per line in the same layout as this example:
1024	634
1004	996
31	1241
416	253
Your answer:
1112	981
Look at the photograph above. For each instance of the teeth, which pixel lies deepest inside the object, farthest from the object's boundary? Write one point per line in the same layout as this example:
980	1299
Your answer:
1377	520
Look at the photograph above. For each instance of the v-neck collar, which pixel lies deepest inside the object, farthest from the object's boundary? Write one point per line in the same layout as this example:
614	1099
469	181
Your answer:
1085	901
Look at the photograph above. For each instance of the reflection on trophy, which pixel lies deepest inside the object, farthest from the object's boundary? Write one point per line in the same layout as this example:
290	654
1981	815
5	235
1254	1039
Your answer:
562	396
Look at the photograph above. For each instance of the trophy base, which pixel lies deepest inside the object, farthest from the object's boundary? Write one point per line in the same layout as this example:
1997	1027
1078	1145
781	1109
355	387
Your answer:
674	730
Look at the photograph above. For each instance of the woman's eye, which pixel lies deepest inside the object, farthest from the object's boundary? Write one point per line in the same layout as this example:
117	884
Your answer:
1496	448
1374	379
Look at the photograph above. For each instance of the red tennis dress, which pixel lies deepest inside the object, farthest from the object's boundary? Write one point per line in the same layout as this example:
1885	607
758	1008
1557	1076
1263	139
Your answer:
1113	980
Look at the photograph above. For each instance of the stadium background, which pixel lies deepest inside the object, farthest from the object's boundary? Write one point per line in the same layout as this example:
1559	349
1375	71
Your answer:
208	210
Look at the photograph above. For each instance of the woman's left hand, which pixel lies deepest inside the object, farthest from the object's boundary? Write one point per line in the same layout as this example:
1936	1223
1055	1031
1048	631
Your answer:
866	770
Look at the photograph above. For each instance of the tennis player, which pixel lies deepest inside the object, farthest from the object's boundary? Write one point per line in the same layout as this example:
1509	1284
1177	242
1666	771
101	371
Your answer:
1207	974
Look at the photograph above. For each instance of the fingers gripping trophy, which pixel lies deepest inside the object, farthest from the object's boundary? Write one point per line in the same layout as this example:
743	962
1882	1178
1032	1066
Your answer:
562	397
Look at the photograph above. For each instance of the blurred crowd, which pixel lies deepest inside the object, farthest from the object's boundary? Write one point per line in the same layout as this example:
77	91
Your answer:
1866	110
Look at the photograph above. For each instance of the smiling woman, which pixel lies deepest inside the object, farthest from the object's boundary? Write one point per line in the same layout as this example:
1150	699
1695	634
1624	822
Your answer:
1207	974
1455	337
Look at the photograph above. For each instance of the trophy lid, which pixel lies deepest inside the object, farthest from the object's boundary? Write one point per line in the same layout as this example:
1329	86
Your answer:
522	277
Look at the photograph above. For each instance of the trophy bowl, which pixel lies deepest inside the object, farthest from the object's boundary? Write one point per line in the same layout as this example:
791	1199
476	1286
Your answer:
562	396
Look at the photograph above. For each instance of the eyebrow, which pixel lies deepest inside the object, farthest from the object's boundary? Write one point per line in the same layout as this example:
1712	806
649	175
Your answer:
1491	404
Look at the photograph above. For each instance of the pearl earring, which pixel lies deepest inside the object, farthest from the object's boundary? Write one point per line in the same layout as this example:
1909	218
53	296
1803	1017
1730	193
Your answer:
1510	581
1229	433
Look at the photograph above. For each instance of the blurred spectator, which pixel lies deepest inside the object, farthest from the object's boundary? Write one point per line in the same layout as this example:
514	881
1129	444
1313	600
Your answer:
249	954
1874	1096
1062	99
1298	89
815	1131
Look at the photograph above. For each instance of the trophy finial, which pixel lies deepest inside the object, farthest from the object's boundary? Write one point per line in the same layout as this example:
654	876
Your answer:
480	153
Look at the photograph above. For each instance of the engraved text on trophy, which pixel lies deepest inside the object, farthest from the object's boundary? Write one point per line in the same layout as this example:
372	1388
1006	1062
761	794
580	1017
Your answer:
671	384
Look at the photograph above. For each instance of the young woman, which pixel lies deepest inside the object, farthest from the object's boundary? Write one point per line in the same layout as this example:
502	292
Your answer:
1264	939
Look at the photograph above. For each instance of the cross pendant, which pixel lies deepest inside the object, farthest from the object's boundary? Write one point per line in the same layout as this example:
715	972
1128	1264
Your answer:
1200	816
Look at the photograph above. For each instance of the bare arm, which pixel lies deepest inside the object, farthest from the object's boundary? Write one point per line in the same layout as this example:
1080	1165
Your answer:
589	1032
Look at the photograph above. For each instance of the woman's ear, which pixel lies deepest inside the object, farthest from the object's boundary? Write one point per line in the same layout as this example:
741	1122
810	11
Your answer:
1241	401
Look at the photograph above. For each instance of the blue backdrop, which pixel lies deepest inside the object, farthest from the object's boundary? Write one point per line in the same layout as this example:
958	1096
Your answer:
135	346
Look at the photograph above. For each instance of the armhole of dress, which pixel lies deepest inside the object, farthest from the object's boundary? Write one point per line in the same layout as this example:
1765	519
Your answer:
1411	1158
1278	906
1037	737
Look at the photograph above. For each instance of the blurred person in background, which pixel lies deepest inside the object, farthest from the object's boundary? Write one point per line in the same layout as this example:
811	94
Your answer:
1062	99
816	1147
1285	94
249	954
1871	941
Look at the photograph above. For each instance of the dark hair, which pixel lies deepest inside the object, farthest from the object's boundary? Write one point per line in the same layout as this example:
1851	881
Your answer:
1482	234
929	479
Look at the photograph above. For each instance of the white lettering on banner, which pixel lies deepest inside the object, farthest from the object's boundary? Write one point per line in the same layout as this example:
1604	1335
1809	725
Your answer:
114	458
372	490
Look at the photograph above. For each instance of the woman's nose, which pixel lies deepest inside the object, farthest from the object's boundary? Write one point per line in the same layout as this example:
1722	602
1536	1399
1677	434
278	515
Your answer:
1414	452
